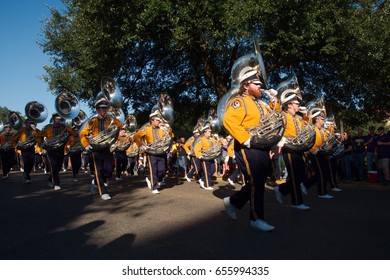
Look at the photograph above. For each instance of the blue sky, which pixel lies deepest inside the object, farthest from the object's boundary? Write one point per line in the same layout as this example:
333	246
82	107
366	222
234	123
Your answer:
21	58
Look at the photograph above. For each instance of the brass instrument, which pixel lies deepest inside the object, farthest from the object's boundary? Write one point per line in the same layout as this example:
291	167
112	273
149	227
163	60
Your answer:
304	140
306	136
105	138
215	149
131	126
133	151
111	92
317	106
130	123
67	105
77	148
79	120
213	152
270	129
7	147
15	120
57	142
160	146
35	112
164	107
26	144
328	146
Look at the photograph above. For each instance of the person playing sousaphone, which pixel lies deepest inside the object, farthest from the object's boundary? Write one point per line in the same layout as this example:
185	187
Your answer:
202	150
53	138
27	140
194	161
7	149
243	113
122	144
293	158
75	150
155	139
97	136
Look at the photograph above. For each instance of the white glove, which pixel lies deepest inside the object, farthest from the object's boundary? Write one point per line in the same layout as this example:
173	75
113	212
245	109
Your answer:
227	159
303	110
189	157
33	127
282	142
271	93
88	148
247	143
315	152
143	148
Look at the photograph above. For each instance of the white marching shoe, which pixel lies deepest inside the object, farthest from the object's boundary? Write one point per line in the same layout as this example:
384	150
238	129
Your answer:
261	225
230	209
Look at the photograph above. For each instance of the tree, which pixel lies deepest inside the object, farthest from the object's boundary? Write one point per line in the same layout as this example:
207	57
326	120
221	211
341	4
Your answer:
187	48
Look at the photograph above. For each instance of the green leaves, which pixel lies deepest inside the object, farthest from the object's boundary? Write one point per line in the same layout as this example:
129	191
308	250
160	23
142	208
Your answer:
186	48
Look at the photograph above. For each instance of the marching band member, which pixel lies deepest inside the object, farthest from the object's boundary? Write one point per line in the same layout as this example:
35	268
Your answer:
293	159
103	160
208	165
132	157
122	145
232	162
244	112
55	154
7	150
75	150
195	162
151	133
26	132
318	157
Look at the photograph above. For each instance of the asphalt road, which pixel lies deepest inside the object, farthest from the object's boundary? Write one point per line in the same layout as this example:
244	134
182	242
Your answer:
185	222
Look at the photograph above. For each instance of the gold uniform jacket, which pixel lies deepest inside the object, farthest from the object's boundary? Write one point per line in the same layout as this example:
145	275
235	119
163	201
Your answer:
230	148
292	125
5	138
188	145
150	135
203	145
321	136
242	113
48	132
91	129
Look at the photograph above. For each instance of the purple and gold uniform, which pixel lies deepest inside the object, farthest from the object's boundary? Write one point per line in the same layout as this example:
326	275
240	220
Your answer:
7	150
103	159
55	157
319	160
28	154
244	112
149	134
294	161
205	143
195	162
